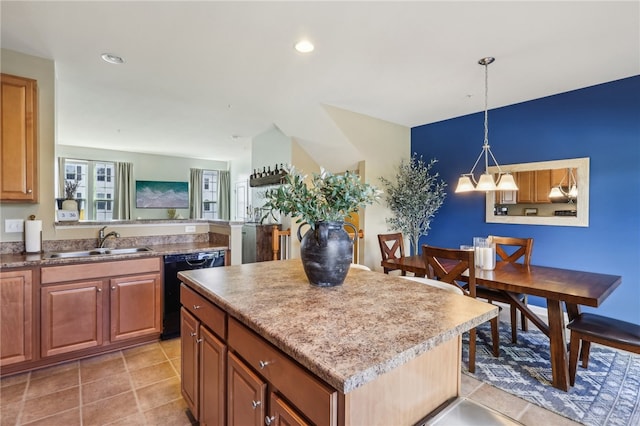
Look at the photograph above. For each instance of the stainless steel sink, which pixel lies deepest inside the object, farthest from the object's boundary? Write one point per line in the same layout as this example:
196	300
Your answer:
96	252
128	250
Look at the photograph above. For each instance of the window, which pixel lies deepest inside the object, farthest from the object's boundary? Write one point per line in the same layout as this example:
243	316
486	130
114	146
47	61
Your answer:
96	187
210	194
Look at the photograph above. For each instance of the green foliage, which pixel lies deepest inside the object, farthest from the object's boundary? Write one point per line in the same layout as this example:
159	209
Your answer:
414	197
329	197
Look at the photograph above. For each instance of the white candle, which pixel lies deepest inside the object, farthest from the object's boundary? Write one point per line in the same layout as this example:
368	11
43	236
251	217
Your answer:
488	258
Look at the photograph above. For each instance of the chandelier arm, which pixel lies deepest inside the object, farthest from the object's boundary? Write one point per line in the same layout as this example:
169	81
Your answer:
474	166
494	160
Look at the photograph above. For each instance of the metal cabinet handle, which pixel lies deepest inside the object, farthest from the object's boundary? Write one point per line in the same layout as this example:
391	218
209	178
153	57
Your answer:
198	340
29	191
255	404
193	334
268	420
196	306
263	364
98	289
113	287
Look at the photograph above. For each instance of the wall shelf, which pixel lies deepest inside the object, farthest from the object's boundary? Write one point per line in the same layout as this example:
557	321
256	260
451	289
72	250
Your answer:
274	179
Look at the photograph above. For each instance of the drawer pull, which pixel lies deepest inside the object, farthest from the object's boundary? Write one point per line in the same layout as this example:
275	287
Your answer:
98	289
268	420
255	404
198	340
193	334
263	364
197	306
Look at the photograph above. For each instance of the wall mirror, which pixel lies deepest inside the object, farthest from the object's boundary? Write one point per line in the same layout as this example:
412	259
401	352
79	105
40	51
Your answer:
532	204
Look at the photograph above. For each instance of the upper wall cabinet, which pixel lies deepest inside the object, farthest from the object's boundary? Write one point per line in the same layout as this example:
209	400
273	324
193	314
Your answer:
18	139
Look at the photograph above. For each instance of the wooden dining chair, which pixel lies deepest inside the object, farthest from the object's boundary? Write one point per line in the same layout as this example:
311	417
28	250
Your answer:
587	328
391	247
280	243
510	250
455	276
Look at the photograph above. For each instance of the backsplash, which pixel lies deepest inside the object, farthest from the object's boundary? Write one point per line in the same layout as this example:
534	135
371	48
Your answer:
89	243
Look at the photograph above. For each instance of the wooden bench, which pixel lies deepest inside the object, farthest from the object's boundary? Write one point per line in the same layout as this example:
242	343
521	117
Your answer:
587	328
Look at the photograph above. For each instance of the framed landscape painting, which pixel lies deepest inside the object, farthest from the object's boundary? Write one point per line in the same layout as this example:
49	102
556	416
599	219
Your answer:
153	194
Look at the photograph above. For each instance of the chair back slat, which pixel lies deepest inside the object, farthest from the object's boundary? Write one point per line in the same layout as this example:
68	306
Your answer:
391	246
452	274
523	249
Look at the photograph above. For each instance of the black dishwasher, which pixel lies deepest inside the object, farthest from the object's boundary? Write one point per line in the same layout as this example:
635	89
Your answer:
173	264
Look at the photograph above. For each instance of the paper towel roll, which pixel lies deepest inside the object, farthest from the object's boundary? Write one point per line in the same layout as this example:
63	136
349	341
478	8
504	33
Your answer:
32	236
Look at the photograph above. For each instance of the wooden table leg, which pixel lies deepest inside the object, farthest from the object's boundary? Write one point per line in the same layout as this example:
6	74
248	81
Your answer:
557	342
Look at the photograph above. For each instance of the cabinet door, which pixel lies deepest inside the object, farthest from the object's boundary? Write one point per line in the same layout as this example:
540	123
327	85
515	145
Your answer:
543	186
281	414
16	317
18	143
135	306
526	187
71	317
189	360
246	395
212	365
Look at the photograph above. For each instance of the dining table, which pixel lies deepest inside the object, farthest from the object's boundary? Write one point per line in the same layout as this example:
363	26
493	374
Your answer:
556	285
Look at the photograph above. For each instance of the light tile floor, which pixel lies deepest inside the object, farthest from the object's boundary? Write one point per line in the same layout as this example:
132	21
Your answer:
138	386
141	386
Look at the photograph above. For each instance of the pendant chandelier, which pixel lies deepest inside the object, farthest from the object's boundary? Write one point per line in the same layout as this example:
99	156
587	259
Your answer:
558	192
467	182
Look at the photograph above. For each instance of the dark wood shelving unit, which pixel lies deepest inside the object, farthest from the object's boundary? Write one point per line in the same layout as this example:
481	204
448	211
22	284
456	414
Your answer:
275	179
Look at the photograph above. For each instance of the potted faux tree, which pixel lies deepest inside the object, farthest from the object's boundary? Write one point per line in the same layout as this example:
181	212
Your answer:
326	250
414	197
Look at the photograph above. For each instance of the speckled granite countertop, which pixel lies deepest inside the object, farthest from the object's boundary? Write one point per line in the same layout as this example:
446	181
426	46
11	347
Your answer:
346	335
40	259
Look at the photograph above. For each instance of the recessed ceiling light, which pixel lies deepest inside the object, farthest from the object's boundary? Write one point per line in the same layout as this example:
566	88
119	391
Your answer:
304	46
112	59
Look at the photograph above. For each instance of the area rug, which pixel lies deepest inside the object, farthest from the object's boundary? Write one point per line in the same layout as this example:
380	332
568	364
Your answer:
607	393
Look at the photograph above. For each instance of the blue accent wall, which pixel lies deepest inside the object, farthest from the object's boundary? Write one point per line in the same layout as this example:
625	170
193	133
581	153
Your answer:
600	122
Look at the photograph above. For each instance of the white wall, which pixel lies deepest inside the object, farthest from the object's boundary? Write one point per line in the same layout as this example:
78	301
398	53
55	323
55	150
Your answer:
268	149
382	146
43	71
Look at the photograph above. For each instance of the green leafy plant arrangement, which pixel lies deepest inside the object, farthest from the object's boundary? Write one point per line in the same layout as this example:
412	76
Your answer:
414	197
329	197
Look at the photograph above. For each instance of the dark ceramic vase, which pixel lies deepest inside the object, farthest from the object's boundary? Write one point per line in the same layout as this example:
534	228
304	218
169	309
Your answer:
326	253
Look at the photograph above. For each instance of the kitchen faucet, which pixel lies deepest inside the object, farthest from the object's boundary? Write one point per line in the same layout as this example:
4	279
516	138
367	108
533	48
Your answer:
102	237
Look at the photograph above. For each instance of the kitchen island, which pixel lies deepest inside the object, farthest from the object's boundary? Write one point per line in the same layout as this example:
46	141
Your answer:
376	350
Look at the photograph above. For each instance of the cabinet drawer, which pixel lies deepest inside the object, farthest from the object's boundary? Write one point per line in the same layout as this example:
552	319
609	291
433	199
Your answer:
84	271
312	397
211	316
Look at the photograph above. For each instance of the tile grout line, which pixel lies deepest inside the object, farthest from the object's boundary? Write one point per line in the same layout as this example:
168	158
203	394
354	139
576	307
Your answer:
133	388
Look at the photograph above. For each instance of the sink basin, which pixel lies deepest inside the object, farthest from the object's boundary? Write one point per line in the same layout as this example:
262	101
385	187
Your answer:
96	252
128	250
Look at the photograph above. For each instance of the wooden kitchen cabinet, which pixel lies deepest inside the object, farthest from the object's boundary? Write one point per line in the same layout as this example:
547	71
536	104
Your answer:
204	358
136	308
534	186
18	139
16	316
87	306
246	401
282	414
71	316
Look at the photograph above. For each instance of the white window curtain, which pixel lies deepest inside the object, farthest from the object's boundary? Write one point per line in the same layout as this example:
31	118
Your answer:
195	194
224	195
123	193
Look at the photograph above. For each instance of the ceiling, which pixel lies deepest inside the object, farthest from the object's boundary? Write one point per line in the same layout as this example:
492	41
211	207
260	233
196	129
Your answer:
200	79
